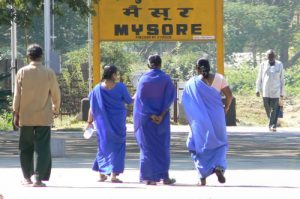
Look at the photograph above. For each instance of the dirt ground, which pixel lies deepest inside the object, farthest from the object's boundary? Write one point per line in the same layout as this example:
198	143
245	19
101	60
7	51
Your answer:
250	111
291	115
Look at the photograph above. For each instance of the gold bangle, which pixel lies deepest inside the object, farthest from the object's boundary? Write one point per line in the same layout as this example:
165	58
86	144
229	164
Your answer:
90	122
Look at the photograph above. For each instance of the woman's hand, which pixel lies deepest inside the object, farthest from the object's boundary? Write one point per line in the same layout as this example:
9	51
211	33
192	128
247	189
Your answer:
156	118
228	98
89	125
226	108
16	120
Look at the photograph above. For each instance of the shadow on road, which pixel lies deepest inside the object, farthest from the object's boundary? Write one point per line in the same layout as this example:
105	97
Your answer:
246	149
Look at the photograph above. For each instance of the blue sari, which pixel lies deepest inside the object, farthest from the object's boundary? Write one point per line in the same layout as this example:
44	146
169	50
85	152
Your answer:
207	139
155	94
109	114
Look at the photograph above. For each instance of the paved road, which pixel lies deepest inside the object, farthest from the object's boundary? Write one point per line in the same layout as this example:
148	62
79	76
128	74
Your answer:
260	165
249	148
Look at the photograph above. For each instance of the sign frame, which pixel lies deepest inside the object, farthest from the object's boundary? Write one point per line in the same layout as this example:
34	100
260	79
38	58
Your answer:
214	31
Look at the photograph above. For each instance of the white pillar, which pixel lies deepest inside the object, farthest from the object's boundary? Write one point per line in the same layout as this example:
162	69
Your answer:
47	32
53	37
13	44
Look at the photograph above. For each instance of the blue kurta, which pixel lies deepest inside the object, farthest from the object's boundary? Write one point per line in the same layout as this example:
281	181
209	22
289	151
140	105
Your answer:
109	114
155	94
208	137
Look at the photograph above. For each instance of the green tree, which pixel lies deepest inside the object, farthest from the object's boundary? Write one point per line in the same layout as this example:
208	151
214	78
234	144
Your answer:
70	31
121	54
254	32
73	85
24	11
277	20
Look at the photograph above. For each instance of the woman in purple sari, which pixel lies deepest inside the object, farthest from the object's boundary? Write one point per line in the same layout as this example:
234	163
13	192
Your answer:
154	96
108	113
207	140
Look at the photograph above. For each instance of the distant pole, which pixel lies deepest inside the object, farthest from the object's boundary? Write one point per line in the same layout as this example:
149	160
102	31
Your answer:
13	43
47	32
53	37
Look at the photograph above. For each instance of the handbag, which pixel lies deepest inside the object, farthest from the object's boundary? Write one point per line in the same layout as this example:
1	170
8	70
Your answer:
280	112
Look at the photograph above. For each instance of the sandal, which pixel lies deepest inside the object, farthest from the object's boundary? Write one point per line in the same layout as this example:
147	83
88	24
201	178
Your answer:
169	181
102	178
116	180
202	182
39	184
26	182
220	174
150	182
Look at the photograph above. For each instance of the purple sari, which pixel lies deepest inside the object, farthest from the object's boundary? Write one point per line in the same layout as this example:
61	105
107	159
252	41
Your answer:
208	137
109	114
155	94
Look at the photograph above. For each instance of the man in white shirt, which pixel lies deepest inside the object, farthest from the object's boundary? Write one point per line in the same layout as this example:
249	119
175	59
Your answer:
270	83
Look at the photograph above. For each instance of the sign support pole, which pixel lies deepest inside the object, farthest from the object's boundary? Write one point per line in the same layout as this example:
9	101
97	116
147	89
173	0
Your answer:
220	36
96	47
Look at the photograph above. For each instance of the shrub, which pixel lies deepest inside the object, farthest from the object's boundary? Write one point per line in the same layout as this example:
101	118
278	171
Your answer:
241	79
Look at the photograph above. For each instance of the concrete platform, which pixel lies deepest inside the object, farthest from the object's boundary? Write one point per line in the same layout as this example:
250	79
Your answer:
80	183
260	165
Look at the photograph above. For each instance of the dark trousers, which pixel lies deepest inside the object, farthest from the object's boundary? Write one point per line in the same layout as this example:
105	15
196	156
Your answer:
35	153
271	107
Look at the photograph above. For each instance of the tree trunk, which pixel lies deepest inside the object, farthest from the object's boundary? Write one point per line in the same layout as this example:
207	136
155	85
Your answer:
254	51
293	60
284	52
146	49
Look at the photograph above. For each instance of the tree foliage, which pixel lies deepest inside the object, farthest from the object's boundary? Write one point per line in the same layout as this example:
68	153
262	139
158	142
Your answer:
25	12
70	31
250	25
72	83
257	25
254	31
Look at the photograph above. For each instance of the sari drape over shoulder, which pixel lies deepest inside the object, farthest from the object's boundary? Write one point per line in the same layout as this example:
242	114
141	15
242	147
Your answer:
109	114
207	139
155	94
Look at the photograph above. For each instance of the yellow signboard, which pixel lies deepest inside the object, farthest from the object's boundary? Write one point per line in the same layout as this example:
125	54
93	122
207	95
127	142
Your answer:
156	20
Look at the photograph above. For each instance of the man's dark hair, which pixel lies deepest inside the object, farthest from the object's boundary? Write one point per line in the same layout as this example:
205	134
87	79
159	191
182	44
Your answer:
270	51
108	71
154	61
34	52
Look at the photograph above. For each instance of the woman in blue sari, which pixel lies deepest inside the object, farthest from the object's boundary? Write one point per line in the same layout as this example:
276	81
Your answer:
154	96
108	113
207	140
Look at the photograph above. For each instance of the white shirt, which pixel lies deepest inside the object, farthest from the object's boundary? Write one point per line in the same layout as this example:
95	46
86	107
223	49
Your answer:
270	80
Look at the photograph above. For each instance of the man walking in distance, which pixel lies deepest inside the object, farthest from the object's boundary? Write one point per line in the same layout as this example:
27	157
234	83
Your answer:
36	101
270	83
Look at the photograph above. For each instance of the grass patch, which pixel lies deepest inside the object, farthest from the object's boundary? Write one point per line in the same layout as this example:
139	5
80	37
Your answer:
6	122
68	123
250	111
